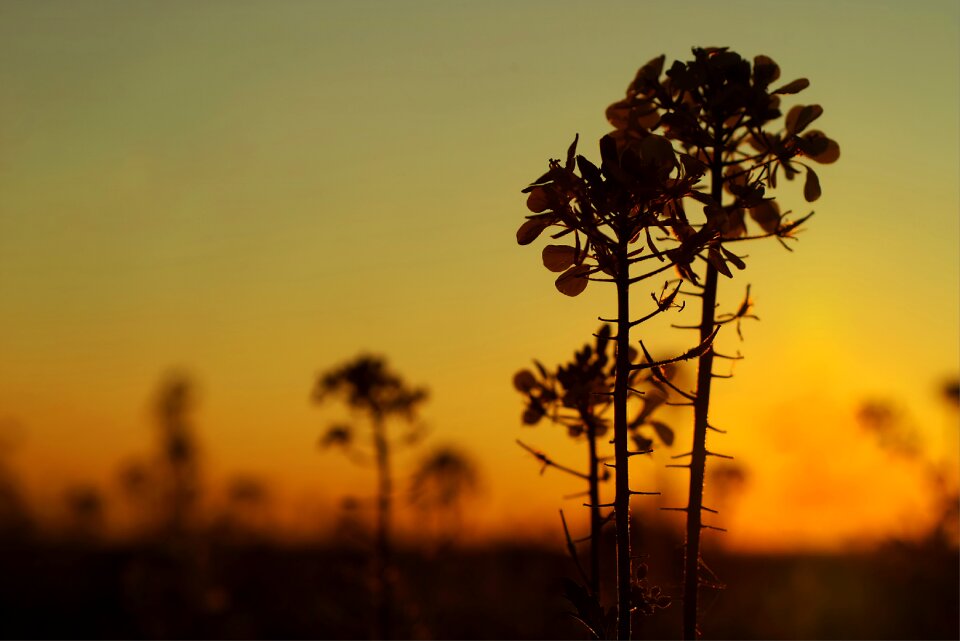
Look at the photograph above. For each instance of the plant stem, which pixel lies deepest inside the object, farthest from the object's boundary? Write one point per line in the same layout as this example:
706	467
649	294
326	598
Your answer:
691	575
620	390
382	571
595	521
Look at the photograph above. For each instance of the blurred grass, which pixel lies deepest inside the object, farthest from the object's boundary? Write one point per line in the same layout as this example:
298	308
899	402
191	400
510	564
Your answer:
262	590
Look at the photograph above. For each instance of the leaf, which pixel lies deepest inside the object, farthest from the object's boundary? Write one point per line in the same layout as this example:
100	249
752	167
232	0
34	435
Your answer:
532	415
663	432
572	152
811	186
608	153
765	70
642	443
531	229
800	116
588	610
524	381
658	151
733	258
557	258
573	281
716	260
337	436
538	201
796	86
819	148
648	117
540	368
618	114
732	225
590	172
767	215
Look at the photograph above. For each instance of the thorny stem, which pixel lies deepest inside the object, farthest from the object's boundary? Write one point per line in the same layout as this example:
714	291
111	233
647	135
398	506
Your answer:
596	521
622	457
691	575
382	571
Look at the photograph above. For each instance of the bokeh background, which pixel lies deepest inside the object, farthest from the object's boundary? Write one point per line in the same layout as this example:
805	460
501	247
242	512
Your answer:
245	194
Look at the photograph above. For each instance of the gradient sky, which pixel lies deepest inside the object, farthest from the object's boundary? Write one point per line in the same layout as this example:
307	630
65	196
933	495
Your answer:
256	191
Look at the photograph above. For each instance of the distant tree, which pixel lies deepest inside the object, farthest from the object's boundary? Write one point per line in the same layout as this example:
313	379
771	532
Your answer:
366	384
716	107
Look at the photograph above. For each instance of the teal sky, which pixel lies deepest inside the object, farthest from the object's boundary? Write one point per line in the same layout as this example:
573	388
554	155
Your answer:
256	191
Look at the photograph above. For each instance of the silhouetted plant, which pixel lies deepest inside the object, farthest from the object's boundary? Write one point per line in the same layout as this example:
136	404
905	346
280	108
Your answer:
716	107
16	522
442	481
637	190
138	486
896	434
180	455
85	512
576	396
245	514
367	385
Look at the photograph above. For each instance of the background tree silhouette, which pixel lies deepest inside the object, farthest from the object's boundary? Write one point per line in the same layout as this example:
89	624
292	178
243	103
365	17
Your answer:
716	107
367	385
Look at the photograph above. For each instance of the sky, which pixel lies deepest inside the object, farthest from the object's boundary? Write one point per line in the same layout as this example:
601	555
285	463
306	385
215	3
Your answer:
254	192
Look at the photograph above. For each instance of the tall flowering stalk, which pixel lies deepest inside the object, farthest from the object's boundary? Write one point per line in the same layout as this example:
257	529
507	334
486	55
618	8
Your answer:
719	108
609	215
367	384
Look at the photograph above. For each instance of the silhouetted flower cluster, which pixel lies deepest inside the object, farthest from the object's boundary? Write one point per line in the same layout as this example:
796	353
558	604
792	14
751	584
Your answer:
719	86
583	385
634	190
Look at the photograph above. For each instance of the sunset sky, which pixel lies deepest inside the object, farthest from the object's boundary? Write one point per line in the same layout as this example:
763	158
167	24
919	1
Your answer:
255	191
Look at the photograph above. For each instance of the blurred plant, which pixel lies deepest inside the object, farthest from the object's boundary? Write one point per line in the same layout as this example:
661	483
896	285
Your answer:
895	433
138	487
441	483
16	522
245	513
636	190
951	392
716	107
180	455
367	385
85	512
576	396
888	425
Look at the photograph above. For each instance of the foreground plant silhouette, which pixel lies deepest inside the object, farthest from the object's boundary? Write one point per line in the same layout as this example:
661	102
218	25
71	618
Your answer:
576	396
607	210
716	107
366	384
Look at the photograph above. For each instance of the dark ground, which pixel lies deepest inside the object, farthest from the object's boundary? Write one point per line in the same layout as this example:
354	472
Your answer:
260	590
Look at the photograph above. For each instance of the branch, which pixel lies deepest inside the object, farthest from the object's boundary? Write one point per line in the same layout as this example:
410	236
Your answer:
572	549
695	352
548	462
